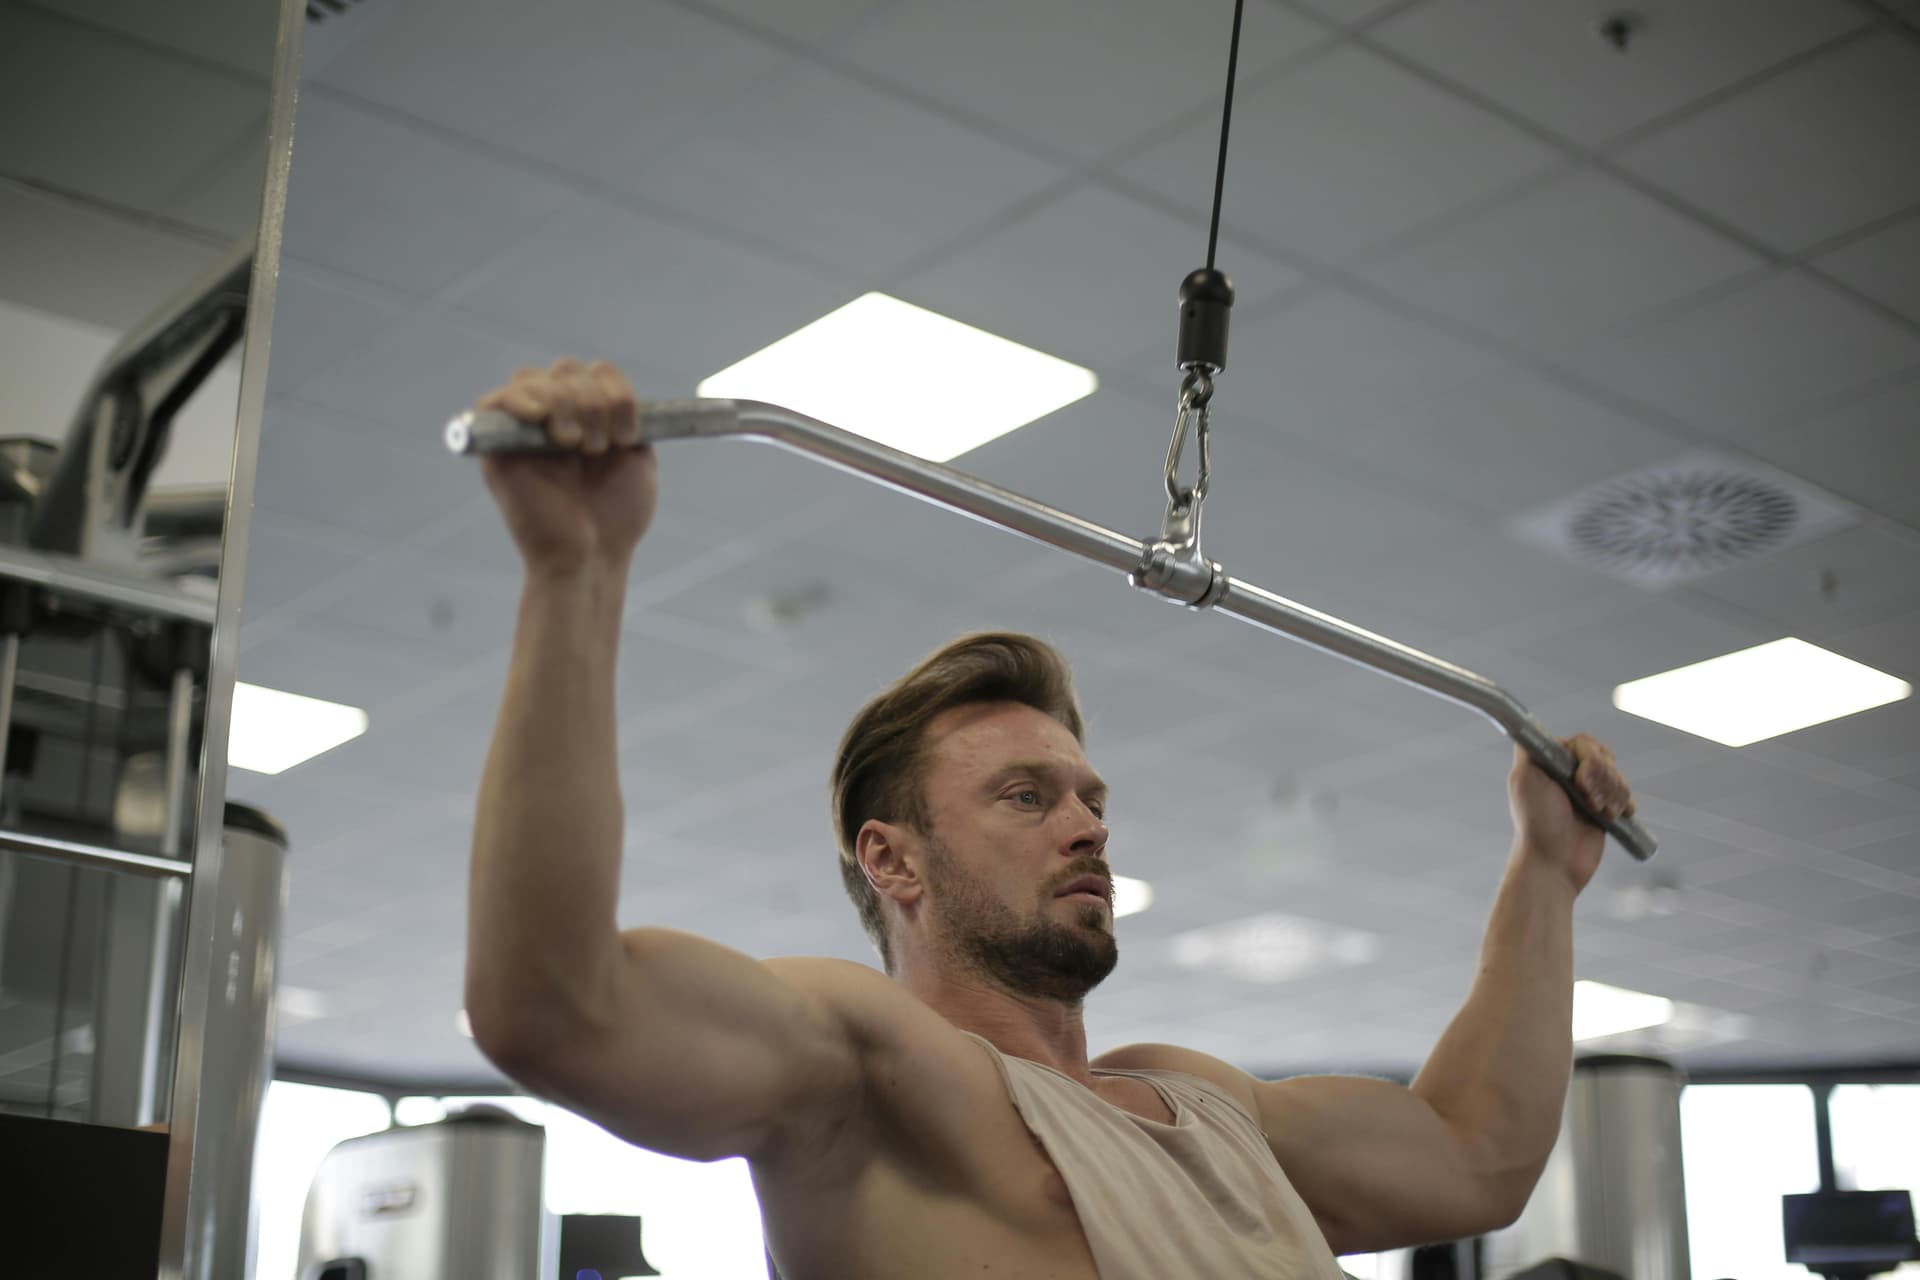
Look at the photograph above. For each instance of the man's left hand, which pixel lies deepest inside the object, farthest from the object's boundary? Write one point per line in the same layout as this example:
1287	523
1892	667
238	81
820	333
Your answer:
1548	826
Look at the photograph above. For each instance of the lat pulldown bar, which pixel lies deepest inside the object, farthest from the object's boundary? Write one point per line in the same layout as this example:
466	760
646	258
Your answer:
1193	582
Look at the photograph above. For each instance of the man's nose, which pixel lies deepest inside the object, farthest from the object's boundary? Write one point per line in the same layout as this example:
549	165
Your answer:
1089	834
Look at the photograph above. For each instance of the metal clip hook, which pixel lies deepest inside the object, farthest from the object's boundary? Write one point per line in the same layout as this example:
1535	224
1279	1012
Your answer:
1174	565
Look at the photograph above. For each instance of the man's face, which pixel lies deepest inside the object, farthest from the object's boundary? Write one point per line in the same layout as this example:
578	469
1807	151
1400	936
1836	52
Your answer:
1017	827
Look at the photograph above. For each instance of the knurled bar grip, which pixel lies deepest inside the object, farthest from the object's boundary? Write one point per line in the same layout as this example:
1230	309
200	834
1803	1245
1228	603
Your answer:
493	431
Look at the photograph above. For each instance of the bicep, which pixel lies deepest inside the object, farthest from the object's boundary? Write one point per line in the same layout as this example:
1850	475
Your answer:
702	1051
1378	1166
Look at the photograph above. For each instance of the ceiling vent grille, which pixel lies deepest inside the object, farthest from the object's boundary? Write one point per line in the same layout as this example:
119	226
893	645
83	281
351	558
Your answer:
1680	520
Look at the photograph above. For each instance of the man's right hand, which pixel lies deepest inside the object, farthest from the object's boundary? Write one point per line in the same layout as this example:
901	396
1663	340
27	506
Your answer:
590	504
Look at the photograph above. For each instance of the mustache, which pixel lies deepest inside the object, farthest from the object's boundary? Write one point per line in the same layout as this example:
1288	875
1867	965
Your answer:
1084	867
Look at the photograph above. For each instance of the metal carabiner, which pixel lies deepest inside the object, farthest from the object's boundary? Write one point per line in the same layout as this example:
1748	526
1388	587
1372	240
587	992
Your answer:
1196	395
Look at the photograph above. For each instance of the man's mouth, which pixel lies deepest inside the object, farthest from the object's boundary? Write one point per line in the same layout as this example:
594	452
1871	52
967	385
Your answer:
1090	887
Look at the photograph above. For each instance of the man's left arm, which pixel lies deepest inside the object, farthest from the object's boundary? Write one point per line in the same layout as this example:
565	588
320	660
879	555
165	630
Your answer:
1456	1153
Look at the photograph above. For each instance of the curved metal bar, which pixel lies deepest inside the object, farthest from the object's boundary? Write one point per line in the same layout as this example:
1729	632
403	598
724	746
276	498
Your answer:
495	432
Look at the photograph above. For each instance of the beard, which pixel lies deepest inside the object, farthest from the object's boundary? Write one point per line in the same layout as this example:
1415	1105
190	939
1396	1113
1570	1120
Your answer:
1036	956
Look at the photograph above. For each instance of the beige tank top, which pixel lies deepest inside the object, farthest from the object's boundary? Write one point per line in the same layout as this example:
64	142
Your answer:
1199	1199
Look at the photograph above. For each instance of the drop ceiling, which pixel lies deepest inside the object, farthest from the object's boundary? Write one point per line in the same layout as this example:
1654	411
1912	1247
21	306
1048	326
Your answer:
1484	260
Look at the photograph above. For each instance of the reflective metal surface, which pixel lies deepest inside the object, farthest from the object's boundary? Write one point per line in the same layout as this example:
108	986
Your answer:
193	1204
1614	1191
235	1047
457	1200
1179	573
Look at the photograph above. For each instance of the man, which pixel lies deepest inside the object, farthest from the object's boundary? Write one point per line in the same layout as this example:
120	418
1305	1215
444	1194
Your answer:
943	1119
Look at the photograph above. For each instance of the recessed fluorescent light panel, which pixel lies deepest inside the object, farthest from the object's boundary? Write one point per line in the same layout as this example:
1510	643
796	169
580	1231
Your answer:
1600	1010
1130	896
906	377
274	730
1273	947
1760	693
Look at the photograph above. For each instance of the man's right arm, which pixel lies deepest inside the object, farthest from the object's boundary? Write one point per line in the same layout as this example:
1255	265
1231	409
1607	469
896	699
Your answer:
672	1041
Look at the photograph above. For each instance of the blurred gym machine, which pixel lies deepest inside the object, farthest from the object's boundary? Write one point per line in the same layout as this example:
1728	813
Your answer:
106	615
1611	1204
455	1200
1613	1196
1849	1235
107	608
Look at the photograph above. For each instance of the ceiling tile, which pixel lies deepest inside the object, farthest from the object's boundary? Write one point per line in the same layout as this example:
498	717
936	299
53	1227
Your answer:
1093	275
375	199
1342	155
1873	741
319	319
1484	580
1808	810
338	662
1864	449
1353	12
316	468
1741	362
1551	64
1337	363
614	281
838	172
1366	464
808	20
582	86
429	604
1656	636
1885	266
287	557
306	799
1573	258
646	691
429	367
1077	79
1808	155
1503	442
1889	645
1824	589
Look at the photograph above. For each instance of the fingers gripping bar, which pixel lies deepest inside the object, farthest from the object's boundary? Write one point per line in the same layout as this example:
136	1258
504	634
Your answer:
1200	584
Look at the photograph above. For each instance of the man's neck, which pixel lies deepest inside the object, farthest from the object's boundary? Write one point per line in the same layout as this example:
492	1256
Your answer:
1050	1032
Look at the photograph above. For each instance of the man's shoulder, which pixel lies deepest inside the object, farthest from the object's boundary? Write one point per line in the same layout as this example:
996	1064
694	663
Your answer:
874	1010
1223	1075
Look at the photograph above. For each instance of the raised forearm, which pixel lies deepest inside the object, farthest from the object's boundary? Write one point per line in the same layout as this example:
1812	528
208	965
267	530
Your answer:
1498	1077
542	941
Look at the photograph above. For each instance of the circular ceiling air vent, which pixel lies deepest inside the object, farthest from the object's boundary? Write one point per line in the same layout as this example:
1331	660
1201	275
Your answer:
1683	522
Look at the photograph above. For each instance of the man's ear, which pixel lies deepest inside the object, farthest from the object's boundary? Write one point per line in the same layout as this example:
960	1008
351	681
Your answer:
885	851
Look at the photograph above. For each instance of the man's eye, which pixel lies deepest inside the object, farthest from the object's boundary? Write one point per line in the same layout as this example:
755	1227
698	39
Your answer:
1029	796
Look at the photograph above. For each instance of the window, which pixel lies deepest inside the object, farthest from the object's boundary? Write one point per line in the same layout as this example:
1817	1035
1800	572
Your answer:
1745	1146
426	1110
695	1219
1876	1142
299	1124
